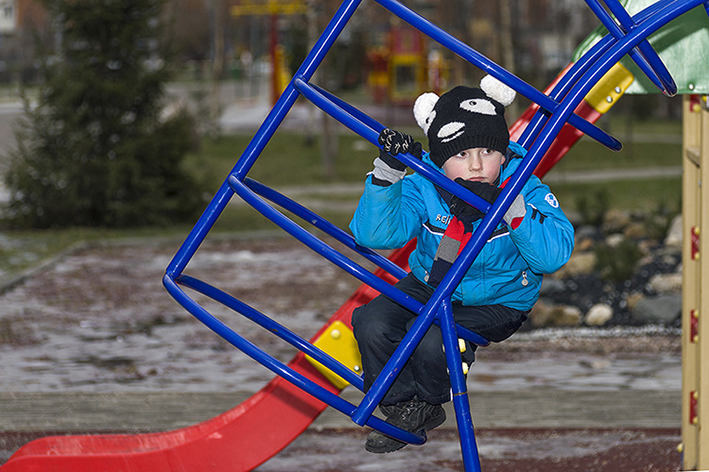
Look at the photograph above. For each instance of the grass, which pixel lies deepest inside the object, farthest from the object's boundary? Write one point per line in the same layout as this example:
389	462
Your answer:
292	160
289	159
633	195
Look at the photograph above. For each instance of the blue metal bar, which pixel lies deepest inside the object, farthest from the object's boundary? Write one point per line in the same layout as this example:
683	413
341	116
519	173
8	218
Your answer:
325	226
651	58
571	76
323	249
471	336
392	368
488	66
439	304
354	111
261	138
635	54
273	327
668	85
469	448
371	134
278	367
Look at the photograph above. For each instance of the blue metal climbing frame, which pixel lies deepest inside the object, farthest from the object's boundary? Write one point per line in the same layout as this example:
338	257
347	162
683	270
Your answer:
627	35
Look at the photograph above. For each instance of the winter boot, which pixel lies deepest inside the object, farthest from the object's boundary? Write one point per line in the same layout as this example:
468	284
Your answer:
413	415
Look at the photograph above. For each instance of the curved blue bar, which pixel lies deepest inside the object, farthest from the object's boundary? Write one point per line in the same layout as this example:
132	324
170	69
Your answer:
372	133
645	57
270	325
373	124
669	87
323	249
278	367
485	64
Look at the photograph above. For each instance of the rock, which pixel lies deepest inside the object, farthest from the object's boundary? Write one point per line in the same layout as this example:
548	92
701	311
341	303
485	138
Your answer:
674	233
664	309
615	220
646	246
599	315
615	240
579	263
551	286
540	314
666	283
544	314
565	315
633	299
635	230
585	244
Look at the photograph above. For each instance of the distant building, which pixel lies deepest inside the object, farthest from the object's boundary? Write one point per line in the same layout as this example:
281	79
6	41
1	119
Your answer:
7	16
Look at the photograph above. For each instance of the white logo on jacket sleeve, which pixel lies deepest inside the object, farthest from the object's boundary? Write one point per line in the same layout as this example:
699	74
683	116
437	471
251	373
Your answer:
551	200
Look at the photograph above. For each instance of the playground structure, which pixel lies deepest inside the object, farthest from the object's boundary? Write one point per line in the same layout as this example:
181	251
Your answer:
695	272
559	117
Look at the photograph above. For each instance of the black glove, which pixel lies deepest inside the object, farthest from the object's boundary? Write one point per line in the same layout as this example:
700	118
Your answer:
462	210
467	213
387	169
393	143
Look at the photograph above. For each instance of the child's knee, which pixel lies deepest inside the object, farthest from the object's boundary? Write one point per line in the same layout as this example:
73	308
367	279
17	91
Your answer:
367	325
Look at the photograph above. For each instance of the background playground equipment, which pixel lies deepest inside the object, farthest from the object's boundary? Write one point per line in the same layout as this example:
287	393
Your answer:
300	392
404	67
280	75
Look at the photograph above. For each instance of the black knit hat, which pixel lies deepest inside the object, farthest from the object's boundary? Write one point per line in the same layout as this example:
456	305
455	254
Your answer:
465	118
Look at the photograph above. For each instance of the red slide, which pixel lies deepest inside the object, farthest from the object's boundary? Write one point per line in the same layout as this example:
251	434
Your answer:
238	440
246	436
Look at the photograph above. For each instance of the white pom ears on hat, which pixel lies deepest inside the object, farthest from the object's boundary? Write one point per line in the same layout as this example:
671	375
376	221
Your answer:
423	110
493	88
497	90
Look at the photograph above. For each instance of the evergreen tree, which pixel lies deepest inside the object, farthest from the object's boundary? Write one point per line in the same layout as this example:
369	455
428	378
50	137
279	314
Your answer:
94	150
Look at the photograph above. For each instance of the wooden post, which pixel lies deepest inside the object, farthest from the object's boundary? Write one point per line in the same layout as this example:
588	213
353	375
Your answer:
695	301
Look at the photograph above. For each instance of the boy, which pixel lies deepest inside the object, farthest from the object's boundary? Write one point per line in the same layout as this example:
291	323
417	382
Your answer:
469	142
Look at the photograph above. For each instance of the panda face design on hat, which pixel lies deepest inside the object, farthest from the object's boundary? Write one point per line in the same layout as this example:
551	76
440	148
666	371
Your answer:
465	118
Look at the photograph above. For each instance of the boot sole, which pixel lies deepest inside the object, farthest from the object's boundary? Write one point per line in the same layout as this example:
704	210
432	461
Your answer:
395	445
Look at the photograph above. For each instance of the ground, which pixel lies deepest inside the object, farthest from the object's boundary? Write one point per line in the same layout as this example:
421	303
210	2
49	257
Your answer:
98	320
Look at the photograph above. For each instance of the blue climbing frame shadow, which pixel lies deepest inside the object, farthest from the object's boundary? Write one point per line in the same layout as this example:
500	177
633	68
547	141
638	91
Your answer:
627	35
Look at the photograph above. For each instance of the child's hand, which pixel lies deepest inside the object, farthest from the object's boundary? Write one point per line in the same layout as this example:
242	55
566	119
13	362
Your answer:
393	143
387	169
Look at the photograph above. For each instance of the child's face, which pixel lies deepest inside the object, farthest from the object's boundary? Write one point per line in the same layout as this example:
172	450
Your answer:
475	164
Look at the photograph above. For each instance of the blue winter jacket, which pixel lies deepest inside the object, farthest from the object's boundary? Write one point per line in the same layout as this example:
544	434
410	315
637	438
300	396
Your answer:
508	271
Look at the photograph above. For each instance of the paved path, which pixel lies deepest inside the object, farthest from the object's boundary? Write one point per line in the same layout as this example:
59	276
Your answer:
163	411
